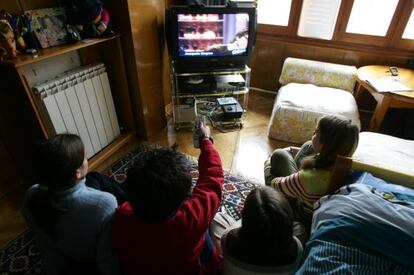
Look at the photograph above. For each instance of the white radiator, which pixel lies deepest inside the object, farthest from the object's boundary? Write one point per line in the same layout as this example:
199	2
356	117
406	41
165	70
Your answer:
80	102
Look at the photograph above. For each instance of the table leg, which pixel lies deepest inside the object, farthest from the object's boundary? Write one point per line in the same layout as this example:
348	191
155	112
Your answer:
357	92
379	113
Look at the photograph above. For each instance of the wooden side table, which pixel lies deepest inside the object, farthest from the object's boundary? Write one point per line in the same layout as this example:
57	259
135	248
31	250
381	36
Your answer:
385	100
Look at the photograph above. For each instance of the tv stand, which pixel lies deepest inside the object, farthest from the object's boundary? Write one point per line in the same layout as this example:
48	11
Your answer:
206	92
195	80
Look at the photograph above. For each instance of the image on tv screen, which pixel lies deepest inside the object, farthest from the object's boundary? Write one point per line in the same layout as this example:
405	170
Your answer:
209	35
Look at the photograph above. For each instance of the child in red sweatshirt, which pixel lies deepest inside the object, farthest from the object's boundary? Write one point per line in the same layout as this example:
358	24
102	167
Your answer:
163	227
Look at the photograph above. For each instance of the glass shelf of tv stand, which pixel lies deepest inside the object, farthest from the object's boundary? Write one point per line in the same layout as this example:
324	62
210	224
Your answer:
209	91
215	93
244	70
183	91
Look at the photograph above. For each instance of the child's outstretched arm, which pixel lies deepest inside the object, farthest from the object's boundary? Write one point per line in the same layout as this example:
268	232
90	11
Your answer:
207	193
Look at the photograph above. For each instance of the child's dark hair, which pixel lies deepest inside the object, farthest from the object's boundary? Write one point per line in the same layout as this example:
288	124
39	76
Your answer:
338	137
55	163
158	183
267	225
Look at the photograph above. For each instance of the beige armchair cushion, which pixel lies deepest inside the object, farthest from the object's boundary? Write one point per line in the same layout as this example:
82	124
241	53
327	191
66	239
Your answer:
319	73
298	107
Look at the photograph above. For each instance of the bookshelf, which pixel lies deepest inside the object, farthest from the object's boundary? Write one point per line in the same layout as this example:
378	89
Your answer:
19	107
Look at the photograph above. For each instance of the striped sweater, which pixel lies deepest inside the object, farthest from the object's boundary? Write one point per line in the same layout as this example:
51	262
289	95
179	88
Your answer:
306	185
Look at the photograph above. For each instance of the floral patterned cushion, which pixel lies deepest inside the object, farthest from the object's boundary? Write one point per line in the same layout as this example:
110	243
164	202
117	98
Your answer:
298	107
319	73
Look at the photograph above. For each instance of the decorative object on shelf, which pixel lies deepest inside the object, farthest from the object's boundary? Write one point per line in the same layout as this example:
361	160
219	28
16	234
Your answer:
26	30
73	34
91	17
7	42
49	26
16	27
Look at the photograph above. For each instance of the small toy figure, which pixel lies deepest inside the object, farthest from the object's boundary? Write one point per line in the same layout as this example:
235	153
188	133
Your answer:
90	17
7	42
17	32
26	31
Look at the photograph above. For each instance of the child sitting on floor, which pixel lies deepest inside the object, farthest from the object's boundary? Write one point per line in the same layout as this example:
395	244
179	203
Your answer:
304	178
163	227
70	221
262	242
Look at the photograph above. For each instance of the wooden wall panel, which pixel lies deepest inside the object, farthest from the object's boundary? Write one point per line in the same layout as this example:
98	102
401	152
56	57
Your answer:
141	26
266	74
148	55
37	4
270	53
19	130
122	24
12	6
174	2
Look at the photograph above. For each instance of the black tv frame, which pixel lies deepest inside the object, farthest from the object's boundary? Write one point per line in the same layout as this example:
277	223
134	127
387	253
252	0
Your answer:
207	63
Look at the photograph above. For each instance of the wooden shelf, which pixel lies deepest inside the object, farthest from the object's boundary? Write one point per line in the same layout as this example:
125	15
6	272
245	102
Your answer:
43	54
22	106
112	148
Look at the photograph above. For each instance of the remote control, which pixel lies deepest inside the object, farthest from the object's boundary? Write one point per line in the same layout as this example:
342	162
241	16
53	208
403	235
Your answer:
394	71
200	120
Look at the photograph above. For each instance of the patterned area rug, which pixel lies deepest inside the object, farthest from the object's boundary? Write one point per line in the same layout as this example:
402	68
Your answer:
21	256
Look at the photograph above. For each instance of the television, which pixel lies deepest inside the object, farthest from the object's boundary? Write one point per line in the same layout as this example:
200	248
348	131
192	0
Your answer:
203	38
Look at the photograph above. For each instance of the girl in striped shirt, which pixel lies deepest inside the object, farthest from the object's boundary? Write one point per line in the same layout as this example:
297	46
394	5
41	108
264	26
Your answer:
303	178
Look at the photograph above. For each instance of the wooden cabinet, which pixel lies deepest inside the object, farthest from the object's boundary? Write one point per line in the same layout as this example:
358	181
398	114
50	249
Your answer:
20	111
141	25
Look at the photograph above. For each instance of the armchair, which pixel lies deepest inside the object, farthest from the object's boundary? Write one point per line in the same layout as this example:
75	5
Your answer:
311	89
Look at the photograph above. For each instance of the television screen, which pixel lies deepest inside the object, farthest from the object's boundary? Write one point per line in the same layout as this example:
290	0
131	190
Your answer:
203	35
210	38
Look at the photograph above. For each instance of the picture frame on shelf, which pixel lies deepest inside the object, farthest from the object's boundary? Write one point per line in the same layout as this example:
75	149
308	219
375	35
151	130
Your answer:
49	26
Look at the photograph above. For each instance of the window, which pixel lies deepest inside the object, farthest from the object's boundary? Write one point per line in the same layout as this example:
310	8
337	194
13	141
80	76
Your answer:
371	17
273	12
351	23
318	18
409	28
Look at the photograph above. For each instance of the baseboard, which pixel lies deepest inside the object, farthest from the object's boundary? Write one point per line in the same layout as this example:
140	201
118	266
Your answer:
263	90
366	111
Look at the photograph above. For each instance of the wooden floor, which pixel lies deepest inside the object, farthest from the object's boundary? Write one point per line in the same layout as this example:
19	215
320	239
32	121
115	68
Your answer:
243	152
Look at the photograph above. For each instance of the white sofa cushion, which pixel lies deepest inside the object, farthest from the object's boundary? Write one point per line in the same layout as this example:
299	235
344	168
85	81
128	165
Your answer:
386	151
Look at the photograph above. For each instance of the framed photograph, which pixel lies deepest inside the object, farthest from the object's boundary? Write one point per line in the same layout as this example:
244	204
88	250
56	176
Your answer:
49	26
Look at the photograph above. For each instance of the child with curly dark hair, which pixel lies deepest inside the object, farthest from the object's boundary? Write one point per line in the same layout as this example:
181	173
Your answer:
163	227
